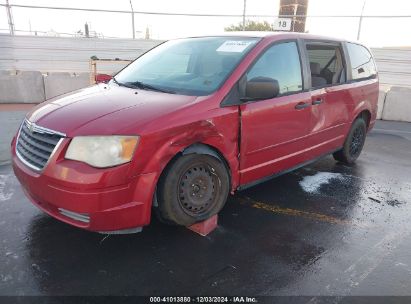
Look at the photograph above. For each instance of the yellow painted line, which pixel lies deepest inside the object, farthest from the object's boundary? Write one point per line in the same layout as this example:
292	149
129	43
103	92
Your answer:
294	212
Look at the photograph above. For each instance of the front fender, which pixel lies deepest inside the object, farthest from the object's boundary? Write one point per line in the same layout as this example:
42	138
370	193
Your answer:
221	134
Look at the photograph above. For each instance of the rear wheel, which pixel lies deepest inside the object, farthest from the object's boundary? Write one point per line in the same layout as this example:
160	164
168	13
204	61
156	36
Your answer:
192	189
353	144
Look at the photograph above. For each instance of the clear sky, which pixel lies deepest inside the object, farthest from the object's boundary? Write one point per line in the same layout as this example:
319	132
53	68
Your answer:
375	31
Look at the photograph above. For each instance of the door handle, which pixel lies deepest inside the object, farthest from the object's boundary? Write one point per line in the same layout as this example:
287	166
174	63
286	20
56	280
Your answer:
302	105
317	101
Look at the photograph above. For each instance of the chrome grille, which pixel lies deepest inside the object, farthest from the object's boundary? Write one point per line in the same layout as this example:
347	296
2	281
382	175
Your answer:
36	144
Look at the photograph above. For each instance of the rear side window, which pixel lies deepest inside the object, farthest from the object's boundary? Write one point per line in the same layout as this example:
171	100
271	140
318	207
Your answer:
362	63
282	63
326	64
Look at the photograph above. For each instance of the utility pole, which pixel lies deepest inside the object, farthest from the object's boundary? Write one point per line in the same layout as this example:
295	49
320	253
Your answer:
132	20
360	23
86	30
10	18
296	10
244	9
294	14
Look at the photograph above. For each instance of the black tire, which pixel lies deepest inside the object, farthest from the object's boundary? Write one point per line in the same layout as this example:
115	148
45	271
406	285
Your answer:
192	189
353	143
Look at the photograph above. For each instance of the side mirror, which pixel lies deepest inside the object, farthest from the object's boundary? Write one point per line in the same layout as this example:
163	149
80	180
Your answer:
261	88
103	78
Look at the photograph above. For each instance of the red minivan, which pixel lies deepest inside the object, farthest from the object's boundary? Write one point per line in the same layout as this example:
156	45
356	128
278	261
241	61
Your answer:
189	122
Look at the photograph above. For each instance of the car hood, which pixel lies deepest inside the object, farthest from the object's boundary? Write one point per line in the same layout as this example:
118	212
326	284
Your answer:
80	112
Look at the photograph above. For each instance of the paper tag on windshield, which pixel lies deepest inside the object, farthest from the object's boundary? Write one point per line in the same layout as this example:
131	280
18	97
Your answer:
234	46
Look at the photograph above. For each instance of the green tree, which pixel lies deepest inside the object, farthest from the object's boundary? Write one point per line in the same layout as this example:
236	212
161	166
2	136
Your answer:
250	26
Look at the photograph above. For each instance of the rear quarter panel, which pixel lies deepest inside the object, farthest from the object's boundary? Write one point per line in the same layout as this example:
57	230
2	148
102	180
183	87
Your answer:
364	93
365	97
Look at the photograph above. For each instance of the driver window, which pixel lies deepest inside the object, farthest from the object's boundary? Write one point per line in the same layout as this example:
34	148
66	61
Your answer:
282	63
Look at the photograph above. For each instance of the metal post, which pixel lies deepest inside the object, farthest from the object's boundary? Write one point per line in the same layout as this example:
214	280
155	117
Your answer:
132	20
86	31
294	14
359	24
10	18
244	9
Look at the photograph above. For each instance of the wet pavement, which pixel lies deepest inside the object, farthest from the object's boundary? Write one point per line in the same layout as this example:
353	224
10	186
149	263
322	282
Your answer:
326	229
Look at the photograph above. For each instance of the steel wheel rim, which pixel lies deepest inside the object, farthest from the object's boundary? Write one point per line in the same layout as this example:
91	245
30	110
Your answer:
357	141
197	189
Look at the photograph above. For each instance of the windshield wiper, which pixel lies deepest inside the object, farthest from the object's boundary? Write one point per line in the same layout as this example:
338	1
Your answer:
121	84
145	86
141	85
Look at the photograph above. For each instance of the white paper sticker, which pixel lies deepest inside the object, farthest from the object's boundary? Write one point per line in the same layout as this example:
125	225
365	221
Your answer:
234	46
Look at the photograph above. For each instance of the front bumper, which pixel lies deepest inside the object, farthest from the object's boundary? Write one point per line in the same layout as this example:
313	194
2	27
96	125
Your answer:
103	200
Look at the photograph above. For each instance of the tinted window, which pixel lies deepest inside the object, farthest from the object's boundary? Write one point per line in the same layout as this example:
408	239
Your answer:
326	65
282	63
362	64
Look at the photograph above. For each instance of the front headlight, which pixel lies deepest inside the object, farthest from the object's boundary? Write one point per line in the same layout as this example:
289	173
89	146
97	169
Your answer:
102	151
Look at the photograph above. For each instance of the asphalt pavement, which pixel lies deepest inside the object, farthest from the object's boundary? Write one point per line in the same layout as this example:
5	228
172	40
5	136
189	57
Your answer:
326	229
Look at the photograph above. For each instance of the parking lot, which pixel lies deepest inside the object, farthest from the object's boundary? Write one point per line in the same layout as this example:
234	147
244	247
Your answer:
326	229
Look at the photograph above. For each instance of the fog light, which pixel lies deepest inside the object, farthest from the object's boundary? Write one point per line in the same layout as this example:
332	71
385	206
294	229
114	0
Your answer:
82	217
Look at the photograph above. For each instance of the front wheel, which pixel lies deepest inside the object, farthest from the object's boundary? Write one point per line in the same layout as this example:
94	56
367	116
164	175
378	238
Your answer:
192	189
353	144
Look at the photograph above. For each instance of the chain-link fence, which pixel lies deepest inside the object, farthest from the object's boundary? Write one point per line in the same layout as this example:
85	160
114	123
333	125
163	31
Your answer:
374	30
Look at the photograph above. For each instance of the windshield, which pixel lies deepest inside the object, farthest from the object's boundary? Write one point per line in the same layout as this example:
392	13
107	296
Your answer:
194	66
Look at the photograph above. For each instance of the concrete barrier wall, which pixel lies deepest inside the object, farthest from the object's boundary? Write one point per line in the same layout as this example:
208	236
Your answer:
59	83
21	87
394	103
397	104
381	99
35	87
